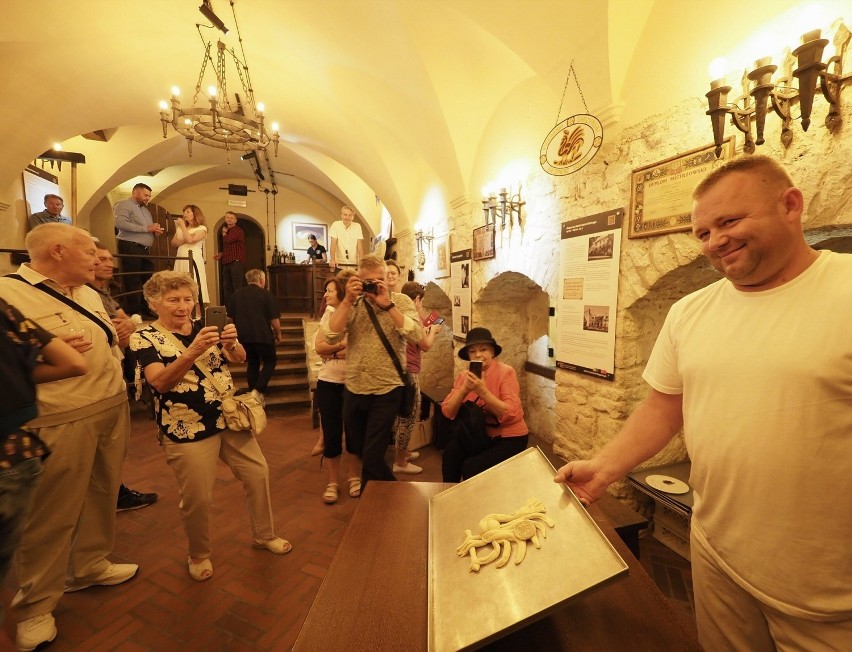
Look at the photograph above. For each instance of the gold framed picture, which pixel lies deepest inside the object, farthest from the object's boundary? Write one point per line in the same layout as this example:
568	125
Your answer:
661	193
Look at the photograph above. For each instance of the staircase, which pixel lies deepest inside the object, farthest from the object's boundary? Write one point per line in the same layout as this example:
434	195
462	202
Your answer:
289	387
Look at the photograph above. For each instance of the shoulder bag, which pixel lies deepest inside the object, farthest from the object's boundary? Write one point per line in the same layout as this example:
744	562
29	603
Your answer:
240	411
409	389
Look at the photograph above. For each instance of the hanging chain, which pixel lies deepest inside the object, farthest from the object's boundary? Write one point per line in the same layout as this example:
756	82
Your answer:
571	71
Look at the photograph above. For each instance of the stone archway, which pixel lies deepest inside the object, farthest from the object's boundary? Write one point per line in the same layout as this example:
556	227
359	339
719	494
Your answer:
437	363
517	312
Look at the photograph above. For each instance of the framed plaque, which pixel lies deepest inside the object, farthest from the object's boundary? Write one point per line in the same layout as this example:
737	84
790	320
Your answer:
484	242
661	194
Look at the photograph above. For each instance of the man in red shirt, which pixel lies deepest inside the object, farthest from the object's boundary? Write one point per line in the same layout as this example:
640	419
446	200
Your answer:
232	256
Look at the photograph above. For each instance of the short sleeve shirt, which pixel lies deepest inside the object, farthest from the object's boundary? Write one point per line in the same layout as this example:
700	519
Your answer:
192	409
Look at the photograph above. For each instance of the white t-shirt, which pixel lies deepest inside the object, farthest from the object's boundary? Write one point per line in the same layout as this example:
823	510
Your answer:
766	379
332	370
347	242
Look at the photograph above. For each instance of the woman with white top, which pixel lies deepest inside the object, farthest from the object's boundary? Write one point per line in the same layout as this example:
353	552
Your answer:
190	234
329	397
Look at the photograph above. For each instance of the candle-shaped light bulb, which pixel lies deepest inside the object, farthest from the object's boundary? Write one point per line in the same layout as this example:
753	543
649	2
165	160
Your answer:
175	91
260	107
211	91
275	127
163	105
717	69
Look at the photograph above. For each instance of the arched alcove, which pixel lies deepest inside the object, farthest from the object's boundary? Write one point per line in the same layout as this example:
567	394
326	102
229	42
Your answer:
517	311
437	363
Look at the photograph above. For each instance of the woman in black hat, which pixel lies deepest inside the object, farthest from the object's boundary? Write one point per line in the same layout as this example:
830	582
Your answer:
489	419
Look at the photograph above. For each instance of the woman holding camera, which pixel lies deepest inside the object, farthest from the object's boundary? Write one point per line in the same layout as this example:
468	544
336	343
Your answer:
184	365
485	403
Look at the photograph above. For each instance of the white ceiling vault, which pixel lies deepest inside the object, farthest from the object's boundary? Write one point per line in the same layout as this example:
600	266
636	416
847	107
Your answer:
375	98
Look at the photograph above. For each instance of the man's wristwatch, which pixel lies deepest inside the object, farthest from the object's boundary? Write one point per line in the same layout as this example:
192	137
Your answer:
387	307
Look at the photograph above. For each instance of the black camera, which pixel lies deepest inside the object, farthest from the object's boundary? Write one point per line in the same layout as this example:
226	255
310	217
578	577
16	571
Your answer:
371	287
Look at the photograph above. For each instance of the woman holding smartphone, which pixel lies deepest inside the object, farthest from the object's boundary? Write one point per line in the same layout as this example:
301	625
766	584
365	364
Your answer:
485	403
185	365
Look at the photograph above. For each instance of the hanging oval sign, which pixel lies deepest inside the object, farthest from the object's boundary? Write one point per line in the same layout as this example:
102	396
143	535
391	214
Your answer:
571	144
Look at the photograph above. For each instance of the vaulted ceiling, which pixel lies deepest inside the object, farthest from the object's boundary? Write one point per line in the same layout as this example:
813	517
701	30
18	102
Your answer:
386	98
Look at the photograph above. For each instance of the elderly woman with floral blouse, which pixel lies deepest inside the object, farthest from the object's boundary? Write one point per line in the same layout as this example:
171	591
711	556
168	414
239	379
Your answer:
186	367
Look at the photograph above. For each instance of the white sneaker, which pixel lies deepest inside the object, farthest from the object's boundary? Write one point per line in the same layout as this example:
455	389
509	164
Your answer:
413	455
260	398
114	574
408	468
35	631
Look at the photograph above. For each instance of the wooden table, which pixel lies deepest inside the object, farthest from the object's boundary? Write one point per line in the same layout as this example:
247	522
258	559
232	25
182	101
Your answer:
375	593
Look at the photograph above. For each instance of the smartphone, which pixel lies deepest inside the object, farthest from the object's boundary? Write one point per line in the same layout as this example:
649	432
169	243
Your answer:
215	316
476	368
434	318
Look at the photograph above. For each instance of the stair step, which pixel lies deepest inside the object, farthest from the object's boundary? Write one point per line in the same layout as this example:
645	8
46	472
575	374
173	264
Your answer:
282	384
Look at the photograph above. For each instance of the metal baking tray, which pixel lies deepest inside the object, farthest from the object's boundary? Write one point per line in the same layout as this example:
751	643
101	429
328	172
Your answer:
468	610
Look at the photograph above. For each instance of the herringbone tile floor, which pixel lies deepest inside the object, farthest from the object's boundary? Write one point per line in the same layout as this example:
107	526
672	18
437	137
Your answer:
256	600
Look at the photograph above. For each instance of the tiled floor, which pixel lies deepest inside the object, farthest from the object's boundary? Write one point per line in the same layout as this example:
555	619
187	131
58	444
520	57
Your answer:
256	600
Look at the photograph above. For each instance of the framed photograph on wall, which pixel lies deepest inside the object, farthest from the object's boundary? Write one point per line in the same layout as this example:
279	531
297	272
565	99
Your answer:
302	230
442	256
483	242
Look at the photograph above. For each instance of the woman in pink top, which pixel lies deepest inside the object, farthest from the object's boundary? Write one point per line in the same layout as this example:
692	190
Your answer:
495	398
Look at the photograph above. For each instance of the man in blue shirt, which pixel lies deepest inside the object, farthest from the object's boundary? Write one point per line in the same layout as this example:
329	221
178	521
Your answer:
135	236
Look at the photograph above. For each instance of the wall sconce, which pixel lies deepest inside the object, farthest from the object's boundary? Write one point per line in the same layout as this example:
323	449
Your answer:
758	89
509	204
421	237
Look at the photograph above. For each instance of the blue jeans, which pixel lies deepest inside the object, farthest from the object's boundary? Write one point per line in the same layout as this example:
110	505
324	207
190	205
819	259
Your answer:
17	486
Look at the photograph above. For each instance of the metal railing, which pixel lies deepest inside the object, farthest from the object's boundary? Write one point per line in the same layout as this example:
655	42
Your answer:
18	256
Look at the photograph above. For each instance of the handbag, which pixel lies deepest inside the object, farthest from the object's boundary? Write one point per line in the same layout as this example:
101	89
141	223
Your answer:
409	389
240	411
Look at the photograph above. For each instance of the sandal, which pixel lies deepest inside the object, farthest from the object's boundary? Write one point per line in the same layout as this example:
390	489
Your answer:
275	545
201	571
354	487
330	495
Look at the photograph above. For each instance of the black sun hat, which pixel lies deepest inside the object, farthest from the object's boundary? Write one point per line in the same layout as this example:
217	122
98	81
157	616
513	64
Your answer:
479	336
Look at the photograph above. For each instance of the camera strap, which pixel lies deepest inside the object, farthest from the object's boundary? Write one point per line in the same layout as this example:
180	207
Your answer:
70	303
384	339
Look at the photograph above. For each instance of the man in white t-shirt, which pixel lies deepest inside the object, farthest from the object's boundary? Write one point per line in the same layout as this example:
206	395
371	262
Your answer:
347	241
757	369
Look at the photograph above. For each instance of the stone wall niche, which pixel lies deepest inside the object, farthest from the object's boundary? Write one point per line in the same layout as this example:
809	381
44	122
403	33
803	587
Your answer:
516	311
591	411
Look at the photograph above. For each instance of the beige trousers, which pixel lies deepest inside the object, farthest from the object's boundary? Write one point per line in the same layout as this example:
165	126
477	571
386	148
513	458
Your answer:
194	465
732	620
71	527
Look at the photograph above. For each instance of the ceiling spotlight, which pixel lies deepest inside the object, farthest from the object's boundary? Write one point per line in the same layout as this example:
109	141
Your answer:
207	11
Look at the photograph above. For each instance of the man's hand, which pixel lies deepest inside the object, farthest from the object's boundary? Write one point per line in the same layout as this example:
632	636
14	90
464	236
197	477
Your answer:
217	256
155	228
354	289
124	328
585	478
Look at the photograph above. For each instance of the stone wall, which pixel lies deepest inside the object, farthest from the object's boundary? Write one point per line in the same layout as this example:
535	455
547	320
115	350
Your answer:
657	271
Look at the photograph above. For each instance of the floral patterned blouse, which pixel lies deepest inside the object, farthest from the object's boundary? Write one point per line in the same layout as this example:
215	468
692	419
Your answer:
191	410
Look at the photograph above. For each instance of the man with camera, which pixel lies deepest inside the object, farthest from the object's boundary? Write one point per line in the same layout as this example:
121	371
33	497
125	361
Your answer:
373	394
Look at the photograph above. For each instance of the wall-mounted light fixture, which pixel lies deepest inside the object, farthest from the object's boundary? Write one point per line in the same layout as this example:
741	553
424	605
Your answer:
422	237
509	204
758	89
